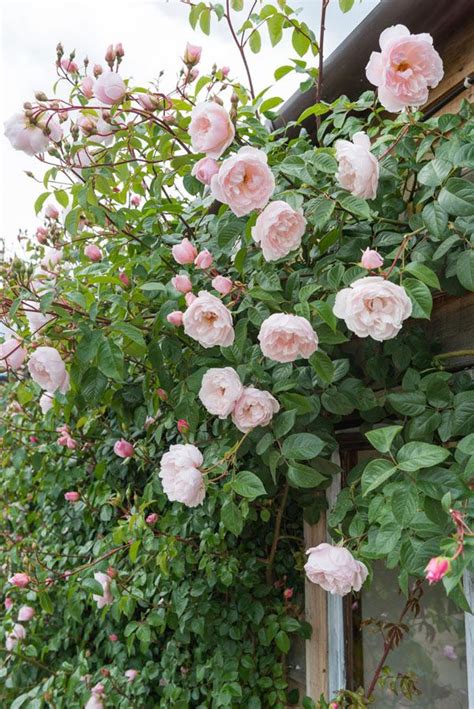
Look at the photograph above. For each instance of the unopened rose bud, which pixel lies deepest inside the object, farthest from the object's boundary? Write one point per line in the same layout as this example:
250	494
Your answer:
72	496
135	200
371	259
124	279
222	285
119	50
110	55
203	260
59	50
33	439
437	568
183	426
111	572
42	235
162	394
175	318
8	603
51	211
225	71
20	580
40	96
104	672
190	298
97	70
152	518
288	594
192	54
113	638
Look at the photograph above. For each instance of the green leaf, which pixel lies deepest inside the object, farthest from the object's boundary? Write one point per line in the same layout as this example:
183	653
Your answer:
270	103
435	219
404	504
283	423
93	386
382	438
45	602
376	472
464	157
90	584
420	296
302	446
133	551
248	485
465	269
300	42
423	273
275	31
205	20
282	641
337	402
110	360
355	205
322	365
231	518
434	172
415	455
255	42
408	403
40	201
304	476
317	109
237	5
132	332
346	5
324	162
457	197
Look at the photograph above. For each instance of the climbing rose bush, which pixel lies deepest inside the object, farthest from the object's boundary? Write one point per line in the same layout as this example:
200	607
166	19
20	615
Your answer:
206	303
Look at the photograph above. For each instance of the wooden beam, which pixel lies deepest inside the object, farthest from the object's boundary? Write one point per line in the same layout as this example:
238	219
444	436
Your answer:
316	614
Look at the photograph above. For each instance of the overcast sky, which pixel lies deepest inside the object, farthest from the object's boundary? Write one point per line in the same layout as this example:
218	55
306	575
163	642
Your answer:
153	33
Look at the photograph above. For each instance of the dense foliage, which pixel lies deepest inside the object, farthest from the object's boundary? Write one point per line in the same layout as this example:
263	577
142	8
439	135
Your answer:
206	599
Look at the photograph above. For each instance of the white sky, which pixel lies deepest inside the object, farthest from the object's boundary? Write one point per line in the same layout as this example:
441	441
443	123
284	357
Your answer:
153	33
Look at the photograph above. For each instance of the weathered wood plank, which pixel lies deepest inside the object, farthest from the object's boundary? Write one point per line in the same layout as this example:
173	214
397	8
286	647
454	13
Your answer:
452	325
316	614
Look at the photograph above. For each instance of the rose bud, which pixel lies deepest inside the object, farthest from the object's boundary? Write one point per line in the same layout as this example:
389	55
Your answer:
42	235
72	496
371	259
184	252
222	285
203	259
205	169
288	594
8	603
175	318
111	572
135	201
192	54
162	394
20	580
124	278
110	54
437	568
123	449
152	518
26	613
131	675
119	50
113	638
51	211
87	87
183	426
225	71
93	253
182	283
190	298
97	71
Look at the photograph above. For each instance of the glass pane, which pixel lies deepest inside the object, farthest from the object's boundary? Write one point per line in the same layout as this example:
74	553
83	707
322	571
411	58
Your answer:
434	649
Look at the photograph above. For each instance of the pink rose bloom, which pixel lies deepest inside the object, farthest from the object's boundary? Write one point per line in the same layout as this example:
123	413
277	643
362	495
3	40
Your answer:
192	54
87	86
358	169
244	181
113	637
405	68
148	101
208	321
437	567
12	354
12	638
51	211
284	338
110	88
184	252
211	130
181	476
20	580
151	519
69	66
36	319
203	259
182	283
278	230
32	138
190	298
94	702
65	439
222	284
205	169
93	252
131	675
26	613
106	598
175	318
48	370
254	408
123	449
335	569
220	390
52	257
373	307
46	403
41	234
8	603
371	259
72	496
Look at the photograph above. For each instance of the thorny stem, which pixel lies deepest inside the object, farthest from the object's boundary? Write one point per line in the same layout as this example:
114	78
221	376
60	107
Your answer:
319	86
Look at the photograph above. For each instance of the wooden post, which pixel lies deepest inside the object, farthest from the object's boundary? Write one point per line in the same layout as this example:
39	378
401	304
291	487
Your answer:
316	615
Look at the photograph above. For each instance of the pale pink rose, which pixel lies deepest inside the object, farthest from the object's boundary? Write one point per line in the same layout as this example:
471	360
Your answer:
254	408
184	252
95	128
205	169
12	638
94	702
222	284
181	476
110	88
284	338
220	390
32	138
65	438
190	298
203	259
358	169
151	519
192	54
175	318
208	321
437	567
12	354
93	253
148	101
106	598
48	370
51	211
373	307
36	319
131	675
69	66
87	86
26	613
182	283
8	603
211	130
72	496
46	403
20	580
371	259
244	181
278	230
42	234
52	257
123	449
405	68
335	569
